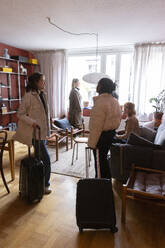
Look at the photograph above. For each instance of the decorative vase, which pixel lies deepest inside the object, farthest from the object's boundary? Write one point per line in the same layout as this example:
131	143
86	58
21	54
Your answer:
6	55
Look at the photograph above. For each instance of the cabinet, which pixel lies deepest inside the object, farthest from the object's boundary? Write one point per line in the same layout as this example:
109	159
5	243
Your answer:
12	88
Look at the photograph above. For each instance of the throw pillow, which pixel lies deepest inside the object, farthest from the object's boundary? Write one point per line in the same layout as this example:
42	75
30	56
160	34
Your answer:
147	133
134	139
160	136
62	123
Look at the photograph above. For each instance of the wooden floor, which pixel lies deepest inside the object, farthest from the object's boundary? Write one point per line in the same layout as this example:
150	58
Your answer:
52	223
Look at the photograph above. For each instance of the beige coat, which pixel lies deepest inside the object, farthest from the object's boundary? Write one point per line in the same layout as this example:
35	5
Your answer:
105	115
32	110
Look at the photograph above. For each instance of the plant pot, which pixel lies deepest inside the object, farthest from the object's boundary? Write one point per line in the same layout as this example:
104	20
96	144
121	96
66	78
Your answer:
158	118
158	115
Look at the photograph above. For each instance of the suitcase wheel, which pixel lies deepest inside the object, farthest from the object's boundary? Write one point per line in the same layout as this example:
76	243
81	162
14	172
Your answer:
114	229
80	229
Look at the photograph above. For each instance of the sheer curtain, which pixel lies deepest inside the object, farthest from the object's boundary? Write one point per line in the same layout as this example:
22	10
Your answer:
148	76
53	66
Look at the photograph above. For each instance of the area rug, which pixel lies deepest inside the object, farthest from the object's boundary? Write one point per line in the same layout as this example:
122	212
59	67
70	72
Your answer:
63	165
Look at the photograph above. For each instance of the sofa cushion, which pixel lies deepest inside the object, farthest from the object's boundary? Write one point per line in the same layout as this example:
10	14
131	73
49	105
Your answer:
137	140
152	183
160	136
147	133
62	123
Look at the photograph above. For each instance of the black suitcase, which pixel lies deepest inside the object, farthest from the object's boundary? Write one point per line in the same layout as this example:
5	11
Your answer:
32	178
95	203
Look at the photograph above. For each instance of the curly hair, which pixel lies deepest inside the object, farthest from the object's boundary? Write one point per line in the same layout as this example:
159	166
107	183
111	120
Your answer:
106	85
33	79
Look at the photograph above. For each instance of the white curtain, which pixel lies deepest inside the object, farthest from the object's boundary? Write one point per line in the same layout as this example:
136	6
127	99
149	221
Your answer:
53	66
148	76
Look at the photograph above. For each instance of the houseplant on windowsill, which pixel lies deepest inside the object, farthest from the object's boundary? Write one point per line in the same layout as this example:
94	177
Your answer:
159	106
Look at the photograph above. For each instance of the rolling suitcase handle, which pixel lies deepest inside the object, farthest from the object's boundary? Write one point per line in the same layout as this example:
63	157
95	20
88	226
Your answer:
97	160
98	164
39	134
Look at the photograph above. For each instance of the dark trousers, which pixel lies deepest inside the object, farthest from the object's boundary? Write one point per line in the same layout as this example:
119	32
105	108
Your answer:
44	157
103	146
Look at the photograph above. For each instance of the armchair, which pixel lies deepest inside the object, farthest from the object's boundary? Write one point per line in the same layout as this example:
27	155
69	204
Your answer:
61	125
55	139
148	150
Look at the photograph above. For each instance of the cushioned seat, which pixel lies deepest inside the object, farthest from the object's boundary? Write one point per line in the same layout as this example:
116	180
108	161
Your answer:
144	184
152	183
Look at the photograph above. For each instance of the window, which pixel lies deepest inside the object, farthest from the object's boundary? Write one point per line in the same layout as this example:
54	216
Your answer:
117	65
111	66
78	66
124	78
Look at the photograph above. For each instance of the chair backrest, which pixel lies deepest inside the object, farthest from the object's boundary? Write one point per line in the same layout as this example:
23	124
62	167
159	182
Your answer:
3	138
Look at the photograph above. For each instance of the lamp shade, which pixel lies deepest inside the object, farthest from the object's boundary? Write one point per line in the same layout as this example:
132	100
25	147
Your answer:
94	77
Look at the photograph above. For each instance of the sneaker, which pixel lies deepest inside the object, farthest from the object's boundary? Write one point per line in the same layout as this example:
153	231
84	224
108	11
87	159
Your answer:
47	190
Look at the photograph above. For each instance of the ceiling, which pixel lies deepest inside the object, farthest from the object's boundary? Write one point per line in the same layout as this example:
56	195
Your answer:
23	23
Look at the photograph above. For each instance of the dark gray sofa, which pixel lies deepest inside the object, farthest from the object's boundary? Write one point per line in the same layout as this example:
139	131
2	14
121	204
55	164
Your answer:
146	150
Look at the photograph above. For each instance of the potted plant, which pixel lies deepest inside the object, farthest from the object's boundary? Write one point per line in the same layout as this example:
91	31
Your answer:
159	106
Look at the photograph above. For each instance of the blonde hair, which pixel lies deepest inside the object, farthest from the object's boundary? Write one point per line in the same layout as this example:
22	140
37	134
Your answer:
75	80
131	108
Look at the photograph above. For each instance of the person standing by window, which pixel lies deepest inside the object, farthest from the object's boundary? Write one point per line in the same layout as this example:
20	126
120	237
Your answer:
105	118
75	111
34	111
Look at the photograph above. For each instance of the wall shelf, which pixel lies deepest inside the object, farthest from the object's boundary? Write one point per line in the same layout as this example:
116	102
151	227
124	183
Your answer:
12	87
14	60
6	99
4	72
7	87
8	113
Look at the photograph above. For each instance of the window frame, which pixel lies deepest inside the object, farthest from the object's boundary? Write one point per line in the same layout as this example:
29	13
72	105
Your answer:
103	53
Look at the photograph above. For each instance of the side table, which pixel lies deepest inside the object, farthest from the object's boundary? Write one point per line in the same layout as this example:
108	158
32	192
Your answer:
10	148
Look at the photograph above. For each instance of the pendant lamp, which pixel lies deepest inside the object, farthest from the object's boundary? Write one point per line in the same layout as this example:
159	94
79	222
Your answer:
93	77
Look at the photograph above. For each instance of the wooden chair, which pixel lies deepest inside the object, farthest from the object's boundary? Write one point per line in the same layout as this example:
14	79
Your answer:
56	125
3	141
138	188
55	139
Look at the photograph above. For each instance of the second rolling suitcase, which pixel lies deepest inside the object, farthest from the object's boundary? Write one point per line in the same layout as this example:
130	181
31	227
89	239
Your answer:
95	203
32	178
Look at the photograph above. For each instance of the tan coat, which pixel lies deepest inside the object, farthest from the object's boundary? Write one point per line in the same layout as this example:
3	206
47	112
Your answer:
105	115
32	110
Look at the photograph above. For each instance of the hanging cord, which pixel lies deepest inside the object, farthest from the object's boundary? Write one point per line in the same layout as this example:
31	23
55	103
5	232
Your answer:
71	33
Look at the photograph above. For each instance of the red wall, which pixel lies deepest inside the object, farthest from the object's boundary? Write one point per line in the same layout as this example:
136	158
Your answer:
5	119
15	51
